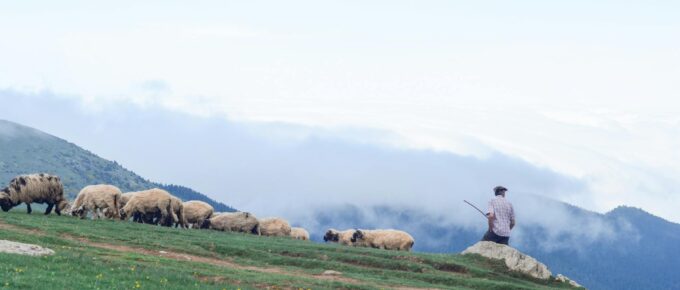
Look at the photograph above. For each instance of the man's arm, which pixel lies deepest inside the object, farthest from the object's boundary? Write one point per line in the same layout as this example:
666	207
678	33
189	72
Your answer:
490	217
512	217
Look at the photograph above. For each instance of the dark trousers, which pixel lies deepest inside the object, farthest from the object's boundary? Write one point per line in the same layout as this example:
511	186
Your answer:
490	236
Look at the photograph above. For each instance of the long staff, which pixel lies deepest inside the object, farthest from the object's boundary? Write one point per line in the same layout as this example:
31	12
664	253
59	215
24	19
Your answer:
472	205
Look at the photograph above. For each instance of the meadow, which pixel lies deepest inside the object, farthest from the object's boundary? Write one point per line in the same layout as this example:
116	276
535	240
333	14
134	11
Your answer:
104	254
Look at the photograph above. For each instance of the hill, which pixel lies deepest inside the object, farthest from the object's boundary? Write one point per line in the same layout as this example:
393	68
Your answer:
27	150
640	251
106	254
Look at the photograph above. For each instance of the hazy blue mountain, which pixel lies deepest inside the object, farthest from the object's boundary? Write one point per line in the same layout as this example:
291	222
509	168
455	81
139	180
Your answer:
643	251
27	150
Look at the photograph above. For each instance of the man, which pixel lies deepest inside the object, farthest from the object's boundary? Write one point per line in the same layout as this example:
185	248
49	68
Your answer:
501	217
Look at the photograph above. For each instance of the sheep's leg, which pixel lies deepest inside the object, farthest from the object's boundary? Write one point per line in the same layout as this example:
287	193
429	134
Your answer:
49	208
57	210
28	208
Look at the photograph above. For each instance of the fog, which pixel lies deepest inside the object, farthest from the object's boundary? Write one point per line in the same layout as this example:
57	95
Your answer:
297	172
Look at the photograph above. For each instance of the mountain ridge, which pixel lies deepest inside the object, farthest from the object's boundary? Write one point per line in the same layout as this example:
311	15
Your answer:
27	150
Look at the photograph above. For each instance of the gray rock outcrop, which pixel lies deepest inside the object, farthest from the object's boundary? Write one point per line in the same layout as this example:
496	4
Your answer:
514	259
23	249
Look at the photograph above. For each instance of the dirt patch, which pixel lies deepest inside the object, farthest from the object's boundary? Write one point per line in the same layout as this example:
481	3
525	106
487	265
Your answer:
446	267
410	259
173	255
35	232
291	254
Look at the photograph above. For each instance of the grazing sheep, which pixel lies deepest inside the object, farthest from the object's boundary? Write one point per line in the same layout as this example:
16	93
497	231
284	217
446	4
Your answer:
125	197
38	188
299	234
383	239
177	214
233	221
274	227
196	211
146	205
342	237
94	198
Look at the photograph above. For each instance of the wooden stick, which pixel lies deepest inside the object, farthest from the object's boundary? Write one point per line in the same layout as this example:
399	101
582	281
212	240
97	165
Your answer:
472	205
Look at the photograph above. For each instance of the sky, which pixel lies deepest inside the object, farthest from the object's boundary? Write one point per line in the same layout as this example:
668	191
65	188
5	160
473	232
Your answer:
586	91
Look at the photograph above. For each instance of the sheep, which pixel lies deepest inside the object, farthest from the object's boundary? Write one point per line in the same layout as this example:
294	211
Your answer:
97	197
125	197
342	237
274	227
38	188
146	205
177	214
196	212
233	221
383	239
299	234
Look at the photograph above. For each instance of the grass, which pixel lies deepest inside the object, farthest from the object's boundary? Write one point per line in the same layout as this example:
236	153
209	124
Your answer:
121	255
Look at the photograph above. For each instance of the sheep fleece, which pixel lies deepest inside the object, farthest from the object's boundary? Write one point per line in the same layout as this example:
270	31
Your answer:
196	211
275	227
149	202
235	222
100	196
38	188
299	234
386	239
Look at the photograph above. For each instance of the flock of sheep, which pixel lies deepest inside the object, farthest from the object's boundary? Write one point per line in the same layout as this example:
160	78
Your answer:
158	207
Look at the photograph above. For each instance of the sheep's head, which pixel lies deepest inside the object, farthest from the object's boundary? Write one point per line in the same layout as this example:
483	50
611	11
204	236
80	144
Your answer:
5	202
123	214
205	224
331	235
358	235
79	212
256	229
63	205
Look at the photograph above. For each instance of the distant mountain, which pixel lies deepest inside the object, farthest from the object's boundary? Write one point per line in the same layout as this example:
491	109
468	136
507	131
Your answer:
27	150
642	252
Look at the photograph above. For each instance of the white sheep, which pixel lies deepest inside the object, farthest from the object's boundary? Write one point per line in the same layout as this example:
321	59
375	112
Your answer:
233	221
177	214
196	211
299	234
274	227
383	239
93	198
341	237
147	205
38	188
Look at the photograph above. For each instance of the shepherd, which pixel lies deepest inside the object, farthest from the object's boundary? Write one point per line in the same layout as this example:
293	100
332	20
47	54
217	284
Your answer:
501	218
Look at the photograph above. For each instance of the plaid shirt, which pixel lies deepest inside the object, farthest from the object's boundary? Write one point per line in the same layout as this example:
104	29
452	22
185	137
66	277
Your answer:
504	213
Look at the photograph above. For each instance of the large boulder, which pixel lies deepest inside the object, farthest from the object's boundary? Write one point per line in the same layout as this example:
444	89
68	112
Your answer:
513	258
23	249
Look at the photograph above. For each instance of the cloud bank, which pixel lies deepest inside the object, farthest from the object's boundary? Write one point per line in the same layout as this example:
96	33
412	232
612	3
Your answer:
296	172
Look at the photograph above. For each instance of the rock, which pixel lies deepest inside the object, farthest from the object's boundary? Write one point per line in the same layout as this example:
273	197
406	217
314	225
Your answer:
23	249
514	259
565	279
331	273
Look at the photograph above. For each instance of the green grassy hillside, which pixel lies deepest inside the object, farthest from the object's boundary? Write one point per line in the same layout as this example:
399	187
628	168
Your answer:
26	150
107	254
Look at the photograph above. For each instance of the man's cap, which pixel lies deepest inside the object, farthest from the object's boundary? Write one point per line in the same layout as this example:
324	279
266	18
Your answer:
499	188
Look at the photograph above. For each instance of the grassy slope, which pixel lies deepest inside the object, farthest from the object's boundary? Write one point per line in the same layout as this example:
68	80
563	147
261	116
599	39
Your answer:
81	262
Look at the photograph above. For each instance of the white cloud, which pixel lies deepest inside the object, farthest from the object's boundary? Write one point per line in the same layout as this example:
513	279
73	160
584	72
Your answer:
592	96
